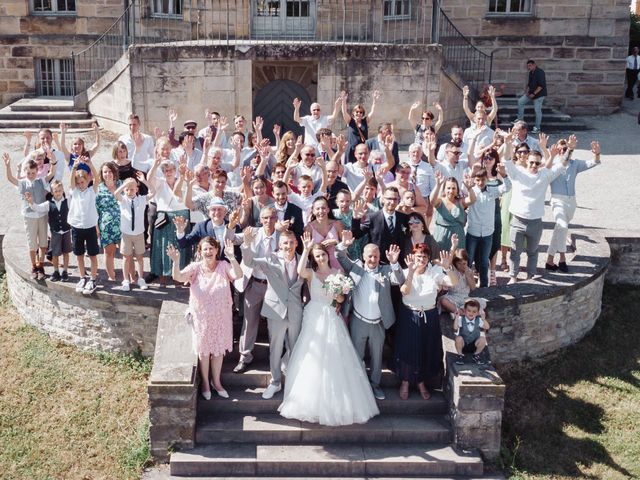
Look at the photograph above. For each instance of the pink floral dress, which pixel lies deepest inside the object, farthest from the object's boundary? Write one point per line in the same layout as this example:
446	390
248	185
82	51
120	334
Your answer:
210	305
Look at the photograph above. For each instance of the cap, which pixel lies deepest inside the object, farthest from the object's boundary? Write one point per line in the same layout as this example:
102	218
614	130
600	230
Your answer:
190	122
217	203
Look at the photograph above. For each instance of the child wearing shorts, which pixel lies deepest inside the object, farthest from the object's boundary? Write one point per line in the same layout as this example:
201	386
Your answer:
132	209
83	218
469	338
33	190
57	210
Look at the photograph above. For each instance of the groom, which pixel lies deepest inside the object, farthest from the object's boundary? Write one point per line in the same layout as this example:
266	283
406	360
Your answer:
372	310
282	304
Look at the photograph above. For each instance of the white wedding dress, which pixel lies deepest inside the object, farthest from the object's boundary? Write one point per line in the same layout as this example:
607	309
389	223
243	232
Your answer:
326	382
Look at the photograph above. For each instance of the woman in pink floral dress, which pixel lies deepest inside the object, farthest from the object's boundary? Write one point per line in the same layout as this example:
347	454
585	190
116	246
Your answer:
210	306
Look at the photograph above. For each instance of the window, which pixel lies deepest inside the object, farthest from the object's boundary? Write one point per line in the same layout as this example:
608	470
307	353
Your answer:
298	8
509	7
167	7
397	9
54	77
266	8
59	7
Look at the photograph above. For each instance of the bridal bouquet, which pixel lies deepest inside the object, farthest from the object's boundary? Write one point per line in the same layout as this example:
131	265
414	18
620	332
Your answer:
338	284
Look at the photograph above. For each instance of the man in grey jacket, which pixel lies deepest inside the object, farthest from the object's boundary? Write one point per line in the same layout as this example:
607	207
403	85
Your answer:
372	311
282	305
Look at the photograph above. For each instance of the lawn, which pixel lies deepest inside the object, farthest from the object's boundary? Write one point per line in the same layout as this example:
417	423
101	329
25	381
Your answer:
65	413
575	414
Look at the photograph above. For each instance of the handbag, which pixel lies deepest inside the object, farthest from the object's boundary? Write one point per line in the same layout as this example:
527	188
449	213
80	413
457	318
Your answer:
161	221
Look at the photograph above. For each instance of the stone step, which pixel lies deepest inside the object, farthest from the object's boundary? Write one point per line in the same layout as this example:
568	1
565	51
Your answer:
340	460
258	374
250	401
8	114
43	104
53	124
270	428
551	127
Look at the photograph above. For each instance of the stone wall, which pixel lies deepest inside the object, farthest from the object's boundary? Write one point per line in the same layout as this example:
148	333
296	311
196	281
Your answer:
625	260
188	77
172	384
582	47
102	321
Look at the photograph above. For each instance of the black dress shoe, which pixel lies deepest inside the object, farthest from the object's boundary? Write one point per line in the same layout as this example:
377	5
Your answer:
562	266
552	267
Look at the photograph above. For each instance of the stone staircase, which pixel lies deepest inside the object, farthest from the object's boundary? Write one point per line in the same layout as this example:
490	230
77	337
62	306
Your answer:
245	436
43	112
552	120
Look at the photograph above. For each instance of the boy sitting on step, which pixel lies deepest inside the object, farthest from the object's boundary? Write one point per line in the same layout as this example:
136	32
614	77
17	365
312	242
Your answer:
469	335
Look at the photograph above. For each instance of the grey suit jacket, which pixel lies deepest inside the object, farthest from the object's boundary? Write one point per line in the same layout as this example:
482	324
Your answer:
388	277
281	301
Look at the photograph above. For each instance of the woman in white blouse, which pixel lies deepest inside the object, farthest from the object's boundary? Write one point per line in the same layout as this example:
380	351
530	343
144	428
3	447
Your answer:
417	356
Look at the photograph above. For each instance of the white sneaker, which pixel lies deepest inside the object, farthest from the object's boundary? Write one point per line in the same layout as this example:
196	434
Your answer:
126	286
89	287
80	285
512	280
271	391
142	284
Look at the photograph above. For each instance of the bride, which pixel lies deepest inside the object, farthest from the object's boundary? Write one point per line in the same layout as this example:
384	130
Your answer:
326	382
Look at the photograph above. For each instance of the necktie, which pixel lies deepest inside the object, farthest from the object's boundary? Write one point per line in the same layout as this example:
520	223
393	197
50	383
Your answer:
635	62
390	223
267	246
133	215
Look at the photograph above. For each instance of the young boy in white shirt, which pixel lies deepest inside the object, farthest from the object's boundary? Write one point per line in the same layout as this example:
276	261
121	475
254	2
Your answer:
132	207
83	218
469	337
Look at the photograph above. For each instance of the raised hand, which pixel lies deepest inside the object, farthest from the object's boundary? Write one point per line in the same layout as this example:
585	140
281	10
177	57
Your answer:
228	249
234	218
63	127
28	197
543	139
455	241
439	177
157	133
389	140
445	259
245	174
207	115
492	91
173	253
173	116
468	181
508	138
344	95
296	103
180	223
6	159
502	170
258	124
572	142
140	176
224	123
393	253
329	242
299	144
437	106
248	234
376	95
595	147
276	129
307	241
347	238
415	105
27	135
465	91
341	143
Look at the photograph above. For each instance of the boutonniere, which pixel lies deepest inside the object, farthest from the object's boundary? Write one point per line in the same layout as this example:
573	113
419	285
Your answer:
379	277
404	229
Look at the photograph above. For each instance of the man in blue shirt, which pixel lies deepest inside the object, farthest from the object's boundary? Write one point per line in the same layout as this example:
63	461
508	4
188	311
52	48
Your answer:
563	202
535	92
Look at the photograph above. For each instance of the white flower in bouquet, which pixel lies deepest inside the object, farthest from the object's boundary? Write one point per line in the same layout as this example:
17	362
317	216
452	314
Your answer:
338	284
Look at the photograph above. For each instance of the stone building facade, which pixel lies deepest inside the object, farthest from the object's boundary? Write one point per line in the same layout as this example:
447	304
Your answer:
580	44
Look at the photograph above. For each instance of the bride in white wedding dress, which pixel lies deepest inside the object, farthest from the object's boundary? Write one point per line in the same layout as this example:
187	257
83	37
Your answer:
326	382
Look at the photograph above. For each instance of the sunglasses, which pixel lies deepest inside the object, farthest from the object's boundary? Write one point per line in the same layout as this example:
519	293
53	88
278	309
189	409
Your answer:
521	152
414	221
315	109
309	154
456	152
487	158
534	164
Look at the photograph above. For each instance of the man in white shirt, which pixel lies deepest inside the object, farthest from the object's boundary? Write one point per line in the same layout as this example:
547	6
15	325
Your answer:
633	68
451	166
193	155
314	122
457	134
140	147
521	129
263	244
527	208
485	137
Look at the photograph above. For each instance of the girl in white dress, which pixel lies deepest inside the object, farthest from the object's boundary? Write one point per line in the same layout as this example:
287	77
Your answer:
326	382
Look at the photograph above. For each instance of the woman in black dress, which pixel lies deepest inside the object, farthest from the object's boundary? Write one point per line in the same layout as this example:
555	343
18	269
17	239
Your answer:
357	123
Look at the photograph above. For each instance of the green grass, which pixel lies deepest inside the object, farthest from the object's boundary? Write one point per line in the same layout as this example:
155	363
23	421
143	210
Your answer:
576	414
65	413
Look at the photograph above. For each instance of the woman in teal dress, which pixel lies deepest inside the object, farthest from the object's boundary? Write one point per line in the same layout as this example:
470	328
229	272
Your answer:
344	213
450	210
108	215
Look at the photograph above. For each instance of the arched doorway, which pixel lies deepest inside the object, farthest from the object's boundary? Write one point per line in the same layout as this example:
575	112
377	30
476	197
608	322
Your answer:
274	103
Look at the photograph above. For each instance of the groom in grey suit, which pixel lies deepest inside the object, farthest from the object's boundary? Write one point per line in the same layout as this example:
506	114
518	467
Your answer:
372	311
282	304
